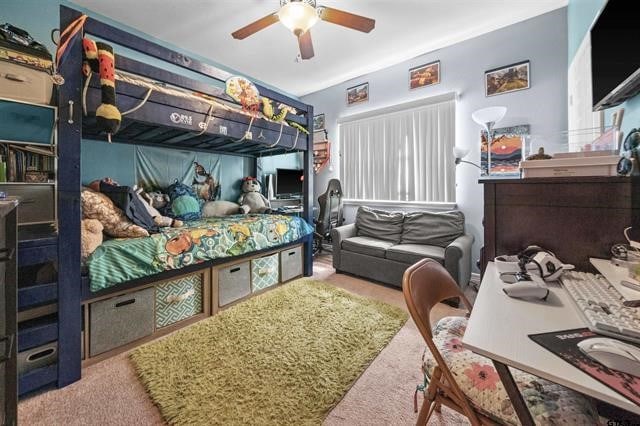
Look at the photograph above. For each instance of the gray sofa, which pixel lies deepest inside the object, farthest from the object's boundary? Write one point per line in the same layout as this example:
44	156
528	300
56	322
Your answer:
381	245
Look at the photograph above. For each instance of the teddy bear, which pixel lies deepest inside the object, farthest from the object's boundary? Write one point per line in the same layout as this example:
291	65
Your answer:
252	197
90	236
148	202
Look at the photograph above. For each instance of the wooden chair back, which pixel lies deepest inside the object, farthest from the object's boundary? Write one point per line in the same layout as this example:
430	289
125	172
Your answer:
424	285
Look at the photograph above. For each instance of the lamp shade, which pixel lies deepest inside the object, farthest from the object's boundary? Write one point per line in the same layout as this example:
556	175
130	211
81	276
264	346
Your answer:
298	16
460	152
491	115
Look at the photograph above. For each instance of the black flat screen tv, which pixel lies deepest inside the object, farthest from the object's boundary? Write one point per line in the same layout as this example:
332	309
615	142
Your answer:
615	62
289	182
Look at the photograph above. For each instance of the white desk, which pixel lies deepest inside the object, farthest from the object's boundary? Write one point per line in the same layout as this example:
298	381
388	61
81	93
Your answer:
499	327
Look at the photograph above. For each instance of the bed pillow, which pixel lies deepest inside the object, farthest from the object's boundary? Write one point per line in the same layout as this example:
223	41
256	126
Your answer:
98	206
380	224
431	228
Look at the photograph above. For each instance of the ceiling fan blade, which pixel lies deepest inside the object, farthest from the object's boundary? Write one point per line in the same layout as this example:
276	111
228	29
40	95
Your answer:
256	26
306	46
346	19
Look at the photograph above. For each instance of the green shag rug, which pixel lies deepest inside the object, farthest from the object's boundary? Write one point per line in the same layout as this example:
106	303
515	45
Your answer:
287	356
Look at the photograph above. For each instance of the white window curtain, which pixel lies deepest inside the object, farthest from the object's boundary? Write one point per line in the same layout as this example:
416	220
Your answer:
402	155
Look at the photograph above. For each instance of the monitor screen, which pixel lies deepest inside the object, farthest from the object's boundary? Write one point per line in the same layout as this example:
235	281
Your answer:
289	182
615	63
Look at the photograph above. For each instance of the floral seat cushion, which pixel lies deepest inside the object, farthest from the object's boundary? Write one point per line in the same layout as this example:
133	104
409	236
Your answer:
549	403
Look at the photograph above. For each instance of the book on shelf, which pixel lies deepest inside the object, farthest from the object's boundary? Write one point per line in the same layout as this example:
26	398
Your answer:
26	164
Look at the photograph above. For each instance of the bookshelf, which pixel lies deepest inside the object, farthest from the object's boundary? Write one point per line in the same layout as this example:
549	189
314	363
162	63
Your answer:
28	163
321	151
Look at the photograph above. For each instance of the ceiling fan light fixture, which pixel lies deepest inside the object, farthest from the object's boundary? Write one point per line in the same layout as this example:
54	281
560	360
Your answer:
298	16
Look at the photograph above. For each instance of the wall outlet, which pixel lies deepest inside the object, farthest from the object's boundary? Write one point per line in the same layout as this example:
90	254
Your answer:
249	135
223	130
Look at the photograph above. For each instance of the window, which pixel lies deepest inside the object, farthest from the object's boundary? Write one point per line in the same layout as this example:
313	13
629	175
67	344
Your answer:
402	154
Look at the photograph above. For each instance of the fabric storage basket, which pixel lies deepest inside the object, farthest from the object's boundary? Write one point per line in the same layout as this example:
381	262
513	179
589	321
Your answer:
178	299
291	263
117	321
234	283
37	357
264	272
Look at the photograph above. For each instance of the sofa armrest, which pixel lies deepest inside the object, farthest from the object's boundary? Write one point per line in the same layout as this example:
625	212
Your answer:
338	235
457	259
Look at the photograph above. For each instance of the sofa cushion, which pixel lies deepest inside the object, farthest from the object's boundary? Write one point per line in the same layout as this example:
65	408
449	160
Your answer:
431	228
366	245
380	224
412	253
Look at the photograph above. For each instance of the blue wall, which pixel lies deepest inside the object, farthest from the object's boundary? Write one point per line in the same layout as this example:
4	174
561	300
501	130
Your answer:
580	16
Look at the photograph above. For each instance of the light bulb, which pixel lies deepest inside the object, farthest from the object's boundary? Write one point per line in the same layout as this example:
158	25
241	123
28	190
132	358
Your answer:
298	16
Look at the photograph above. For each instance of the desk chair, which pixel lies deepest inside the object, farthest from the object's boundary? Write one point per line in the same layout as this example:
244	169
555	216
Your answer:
330	215
467	382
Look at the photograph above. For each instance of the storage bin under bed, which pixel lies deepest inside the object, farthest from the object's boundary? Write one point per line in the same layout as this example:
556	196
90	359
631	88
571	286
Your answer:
179	299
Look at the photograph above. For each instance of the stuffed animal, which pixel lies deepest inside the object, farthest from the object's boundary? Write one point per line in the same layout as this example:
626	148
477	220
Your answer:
223	208
158	219
90	237
184	204
252	197
157	199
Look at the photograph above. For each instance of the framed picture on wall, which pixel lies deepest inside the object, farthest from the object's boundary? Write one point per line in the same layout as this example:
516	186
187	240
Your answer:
510	78
318	122
424	75
357	94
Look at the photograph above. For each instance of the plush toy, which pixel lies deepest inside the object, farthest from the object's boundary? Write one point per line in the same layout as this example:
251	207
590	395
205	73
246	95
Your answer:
158	219
157	199
184	204
252	197
90	237
99	58
223	208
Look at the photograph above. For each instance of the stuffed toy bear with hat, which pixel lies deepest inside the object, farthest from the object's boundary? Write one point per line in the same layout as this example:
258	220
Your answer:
252	197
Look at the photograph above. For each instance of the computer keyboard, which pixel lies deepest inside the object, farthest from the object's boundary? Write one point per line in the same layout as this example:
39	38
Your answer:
601	305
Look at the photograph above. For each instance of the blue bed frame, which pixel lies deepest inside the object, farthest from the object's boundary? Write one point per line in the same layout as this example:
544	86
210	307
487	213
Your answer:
149	125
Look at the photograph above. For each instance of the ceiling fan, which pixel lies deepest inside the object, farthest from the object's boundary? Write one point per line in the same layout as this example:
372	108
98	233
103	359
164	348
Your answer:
299	16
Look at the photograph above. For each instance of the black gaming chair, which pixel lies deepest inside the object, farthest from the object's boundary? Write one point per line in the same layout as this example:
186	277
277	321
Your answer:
330	215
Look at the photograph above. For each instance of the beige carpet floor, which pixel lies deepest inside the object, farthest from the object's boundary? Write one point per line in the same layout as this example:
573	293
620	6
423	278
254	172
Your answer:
111	394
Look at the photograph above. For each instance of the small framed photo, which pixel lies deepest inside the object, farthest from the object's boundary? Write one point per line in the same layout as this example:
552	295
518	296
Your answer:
424	75
510	78
318	122
357	94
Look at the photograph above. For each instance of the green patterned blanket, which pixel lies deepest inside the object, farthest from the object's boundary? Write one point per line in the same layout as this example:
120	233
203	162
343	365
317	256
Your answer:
121	260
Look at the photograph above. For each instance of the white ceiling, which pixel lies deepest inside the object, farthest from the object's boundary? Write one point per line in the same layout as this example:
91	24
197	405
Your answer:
404	29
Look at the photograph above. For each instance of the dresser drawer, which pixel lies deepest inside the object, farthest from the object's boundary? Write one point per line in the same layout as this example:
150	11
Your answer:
265	272
117	321
37	201
234	282
179	299
291	263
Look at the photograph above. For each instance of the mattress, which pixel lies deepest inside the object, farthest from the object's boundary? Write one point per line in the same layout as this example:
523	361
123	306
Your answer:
120	260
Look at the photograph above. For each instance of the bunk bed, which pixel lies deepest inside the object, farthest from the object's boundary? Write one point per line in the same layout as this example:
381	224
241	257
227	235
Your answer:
172	111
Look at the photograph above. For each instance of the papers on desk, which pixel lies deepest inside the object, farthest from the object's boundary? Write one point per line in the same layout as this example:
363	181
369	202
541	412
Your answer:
565	345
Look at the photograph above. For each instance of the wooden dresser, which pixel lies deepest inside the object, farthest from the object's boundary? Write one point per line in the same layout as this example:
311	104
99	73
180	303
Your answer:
575	217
